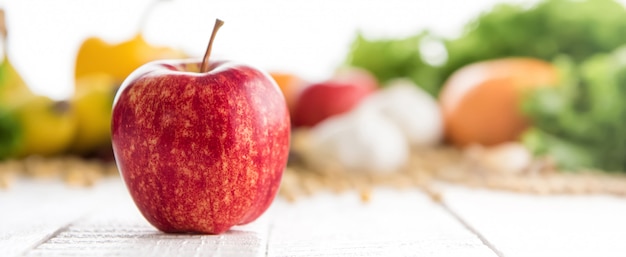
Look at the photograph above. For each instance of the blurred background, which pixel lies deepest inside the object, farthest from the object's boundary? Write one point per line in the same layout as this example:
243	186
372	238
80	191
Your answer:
304	37
510	87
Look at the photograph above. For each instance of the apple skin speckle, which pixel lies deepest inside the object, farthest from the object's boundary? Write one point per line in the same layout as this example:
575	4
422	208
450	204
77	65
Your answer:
200	152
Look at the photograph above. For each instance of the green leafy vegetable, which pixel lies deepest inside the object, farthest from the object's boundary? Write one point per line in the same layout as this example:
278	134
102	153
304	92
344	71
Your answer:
582	122
578	28
395	58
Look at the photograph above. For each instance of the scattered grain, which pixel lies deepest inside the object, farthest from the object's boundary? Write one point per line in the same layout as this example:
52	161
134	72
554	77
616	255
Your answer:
366	194
449	164
425	166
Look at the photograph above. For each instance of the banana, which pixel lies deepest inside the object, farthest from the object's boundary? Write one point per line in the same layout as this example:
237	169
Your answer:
46	127
13	89
13	93
92	102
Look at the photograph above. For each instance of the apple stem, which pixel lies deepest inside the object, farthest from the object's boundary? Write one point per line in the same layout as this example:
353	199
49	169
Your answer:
205	61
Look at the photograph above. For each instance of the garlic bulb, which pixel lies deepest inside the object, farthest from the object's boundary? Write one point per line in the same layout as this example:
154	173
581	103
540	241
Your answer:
415	112
362	140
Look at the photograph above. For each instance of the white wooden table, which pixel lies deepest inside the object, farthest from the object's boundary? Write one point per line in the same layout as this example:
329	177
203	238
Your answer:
46	218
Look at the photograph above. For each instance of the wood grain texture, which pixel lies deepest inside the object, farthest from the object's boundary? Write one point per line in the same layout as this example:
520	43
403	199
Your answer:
103	221
33	211
116	228
393	223
531	225
50	219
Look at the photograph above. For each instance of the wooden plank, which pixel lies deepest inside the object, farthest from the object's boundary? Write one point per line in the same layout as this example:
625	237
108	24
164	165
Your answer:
33	211
393	223
117	228
529	225
114	238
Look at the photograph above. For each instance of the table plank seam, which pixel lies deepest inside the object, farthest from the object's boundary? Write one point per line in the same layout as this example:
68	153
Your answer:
465	224
53	235
270	227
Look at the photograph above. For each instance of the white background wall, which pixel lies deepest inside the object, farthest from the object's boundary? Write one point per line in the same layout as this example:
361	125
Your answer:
310	38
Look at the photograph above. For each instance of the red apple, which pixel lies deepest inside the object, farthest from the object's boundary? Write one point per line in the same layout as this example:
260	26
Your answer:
355	75
201	146
337	95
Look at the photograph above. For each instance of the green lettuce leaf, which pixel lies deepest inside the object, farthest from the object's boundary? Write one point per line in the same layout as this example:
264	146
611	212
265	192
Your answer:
582	122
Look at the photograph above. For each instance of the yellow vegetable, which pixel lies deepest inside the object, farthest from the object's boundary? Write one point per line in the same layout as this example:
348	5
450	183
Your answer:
100	69
119	60
92	111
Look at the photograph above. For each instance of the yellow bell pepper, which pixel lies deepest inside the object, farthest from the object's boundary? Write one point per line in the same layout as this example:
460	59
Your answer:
119	60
